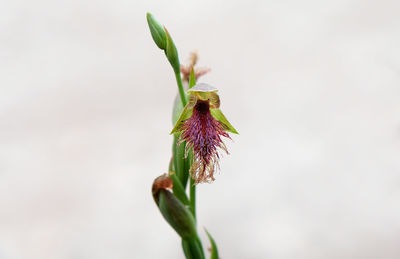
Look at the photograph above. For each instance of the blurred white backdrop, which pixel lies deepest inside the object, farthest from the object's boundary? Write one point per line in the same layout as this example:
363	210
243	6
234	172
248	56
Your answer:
312	86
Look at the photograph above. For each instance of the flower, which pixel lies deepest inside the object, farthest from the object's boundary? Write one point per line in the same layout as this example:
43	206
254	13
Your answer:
202	125
198	71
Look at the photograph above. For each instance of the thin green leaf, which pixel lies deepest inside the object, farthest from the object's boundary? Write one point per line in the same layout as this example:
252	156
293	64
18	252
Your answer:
214	249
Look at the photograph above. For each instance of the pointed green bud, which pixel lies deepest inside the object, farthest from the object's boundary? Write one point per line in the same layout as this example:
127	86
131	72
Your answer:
157	31
164	41
174	211
172	53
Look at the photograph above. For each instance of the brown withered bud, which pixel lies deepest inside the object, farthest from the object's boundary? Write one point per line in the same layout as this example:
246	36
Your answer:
161	182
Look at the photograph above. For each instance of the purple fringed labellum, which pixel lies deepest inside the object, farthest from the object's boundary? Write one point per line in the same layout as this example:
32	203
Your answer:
202	125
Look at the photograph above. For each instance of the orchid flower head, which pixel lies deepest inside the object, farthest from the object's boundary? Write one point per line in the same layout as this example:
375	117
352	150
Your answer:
202	125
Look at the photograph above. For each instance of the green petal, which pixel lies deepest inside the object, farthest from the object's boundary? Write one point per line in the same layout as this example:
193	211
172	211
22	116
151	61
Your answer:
219	116
186	114
192	78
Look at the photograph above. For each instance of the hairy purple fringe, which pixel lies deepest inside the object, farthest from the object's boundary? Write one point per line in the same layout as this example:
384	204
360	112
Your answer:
203	133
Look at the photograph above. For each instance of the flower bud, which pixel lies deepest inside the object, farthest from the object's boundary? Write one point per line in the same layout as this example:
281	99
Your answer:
174	211
172	53
157	31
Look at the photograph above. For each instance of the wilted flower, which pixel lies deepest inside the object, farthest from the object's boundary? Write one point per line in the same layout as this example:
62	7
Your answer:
202	124
198	71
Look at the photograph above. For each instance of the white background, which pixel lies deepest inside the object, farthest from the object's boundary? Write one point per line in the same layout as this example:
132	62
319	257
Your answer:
313	87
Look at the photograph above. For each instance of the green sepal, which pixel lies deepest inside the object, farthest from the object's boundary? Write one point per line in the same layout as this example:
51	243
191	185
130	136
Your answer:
186	114
192	78
157	31
172	53
219	116
214	249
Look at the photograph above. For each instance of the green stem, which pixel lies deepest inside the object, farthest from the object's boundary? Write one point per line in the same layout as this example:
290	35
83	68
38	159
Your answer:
193	248
180	87
192	197
192	192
